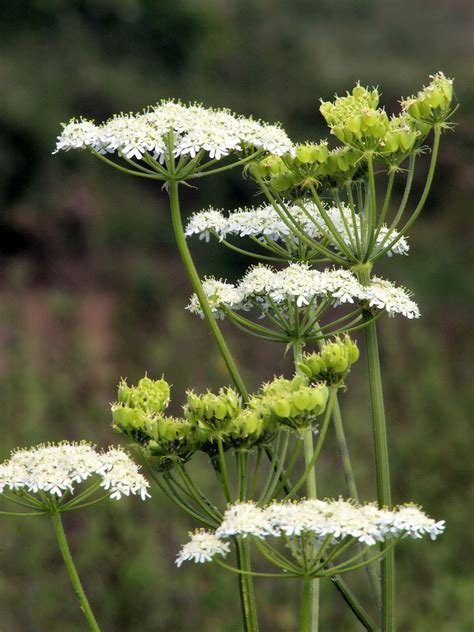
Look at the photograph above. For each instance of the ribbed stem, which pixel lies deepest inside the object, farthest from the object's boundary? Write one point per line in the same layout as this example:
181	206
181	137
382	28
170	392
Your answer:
71	569
197	287
384	495
352	485
247	595
306	606
310	594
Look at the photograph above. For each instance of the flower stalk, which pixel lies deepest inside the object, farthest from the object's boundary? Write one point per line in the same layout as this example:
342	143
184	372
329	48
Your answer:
72	571
382	467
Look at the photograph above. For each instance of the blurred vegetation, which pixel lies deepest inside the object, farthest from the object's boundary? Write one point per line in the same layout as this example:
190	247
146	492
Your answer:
92	288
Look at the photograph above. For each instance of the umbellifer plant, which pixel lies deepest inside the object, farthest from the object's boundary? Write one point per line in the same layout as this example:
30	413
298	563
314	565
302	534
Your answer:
327	219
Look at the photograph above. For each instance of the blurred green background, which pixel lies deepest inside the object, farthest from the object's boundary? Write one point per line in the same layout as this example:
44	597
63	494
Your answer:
92	288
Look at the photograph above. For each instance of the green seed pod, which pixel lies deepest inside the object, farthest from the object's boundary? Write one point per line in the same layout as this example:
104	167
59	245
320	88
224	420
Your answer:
341	365
220	410
301	399
125	417
319	399
331	354
297	382
304	368
282	408
354	124
194	402
316	364
391	141
369	119
352	349
414	110
424	107
305	154
283	181
233	400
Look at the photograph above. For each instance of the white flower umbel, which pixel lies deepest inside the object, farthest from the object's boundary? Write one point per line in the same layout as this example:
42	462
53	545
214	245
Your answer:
340	520
219	294
263	285
383	294
264	223
202	547
193	127
58	468
410	521
244	519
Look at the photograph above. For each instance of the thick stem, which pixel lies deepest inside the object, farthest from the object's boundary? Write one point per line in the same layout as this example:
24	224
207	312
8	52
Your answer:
247	593
310	590
71	569
306	609
384	495
351	485
197	286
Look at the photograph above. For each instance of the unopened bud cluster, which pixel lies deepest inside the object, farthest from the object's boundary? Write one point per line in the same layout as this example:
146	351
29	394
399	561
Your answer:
332	363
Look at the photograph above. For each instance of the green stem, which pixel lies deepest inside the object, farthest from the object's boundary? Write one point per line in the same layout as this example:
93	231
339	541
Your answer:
247	593
372	215
351	484
223	471
306	619
344	450
197	286
310	590
353	603
71	569
312	457
384	495
421	203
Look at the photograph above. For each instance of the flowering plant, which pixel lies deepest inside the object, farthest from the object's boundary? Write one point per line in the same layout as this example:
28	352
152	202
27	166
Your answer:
324	207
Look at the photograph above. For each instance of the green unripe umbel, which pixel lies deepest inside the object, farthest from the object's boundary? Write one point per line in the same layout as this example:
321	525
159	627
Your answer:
332	363
433	104
212	413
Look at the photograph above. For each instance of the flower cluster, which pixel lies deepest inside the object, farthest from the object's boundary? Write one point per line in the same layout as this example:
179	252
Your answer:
337	519
432	104
57	468
263	286
202	547
311	167
356	120
292	403
211	418
190	128
265	223
333	361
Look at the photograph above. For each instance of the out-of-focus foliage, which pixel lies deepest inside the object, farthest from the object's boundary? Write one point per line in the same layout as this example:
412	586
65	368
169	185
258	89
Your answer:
92	288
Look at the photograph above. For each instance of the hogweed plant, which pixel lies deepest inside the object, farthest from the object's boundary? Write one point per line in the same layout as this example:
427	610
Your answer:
326	219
